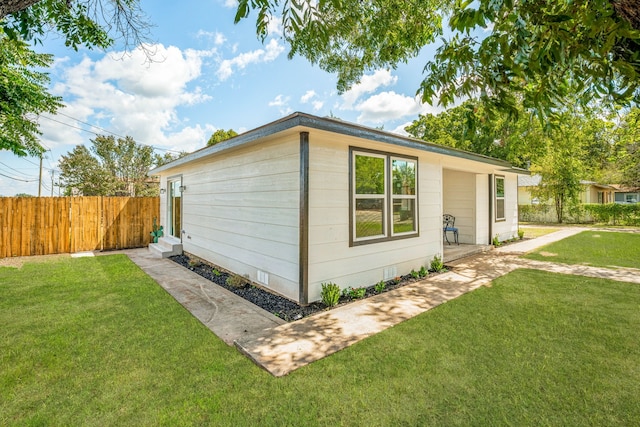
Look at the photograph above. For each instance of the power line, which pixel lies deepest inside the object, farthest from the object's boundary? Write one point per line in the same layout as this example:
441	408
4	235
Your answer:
13	169
104	130
18	179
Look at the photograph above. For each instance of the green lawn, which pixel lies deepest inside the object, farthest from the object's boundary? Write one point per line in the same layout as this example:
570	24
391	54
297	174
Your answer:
533	232
93	341
596	248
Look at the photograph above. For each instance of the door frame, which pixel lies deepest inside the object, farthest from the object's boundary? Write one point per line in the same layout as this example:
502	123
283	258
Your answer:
174	183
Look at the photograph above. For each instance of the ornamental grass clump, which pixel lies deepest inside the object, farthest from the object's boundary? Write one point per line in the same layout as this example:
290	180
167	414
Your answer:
330	294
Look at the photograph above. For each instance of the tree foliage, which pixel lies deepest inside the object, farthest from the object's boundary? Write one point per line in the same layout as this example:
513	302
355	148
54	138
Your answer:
538	52
23	95
627	136
110	168
88	23
221	135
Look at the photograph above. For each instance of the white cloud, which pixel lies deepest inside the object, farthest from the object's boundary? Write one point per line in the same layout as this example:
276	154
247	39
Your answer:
230	3
282	103
388	106
272	50
217	37
132	97
317	105
307	96
368	84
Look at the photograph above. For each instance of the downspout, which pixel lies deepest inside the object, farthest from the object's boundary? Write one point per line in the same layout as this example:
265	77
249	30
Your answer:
303	261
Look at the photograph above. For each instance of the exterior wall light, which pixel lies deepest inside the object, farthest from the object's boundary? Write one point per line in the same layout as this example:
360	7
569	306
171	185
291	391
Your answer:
183	188
162	191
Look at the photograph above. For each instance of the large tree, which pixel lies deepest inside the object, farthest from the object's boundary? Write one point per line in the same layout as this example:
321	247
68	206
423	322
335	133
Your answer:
110	168
534	51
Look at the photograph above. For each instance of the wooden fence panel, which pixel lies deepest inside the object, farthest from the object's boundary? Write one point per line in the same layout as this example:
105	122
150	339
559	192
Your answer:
49	225
86	232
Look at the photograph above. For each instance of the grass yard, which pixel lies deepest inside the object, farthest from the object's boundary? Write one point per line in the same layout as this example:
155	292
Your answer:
595	248
537	231
95	341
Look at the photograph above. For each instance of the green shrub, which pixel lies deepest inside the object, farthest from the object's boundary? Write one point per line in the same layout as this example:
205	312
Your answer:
520	234
330	294
496	241
436	264
236	281
423	272
415	274
380	286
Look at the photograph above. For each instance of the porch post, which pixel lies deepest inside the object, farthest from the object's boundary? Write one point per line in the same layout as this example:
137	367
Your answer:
303	262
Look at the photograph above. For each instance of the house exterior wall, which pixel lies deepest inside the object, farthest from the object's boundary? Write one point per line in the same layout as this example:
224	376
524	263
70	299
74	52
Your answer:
241	211
331	259
507	228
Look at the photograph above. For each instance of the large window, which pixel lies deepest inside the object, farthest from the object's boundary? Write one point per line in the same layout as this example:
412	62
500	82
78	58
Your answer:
384	196
499	180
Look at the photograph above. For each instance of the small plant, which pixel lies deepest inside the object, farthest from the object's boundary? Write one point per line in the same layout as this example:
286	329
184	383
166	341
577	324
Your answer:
496	241
380	286
157	231
193	263
216	272
397	279
414	274
520	234
354	293
330	294
357	293
436	264
423	272
236	281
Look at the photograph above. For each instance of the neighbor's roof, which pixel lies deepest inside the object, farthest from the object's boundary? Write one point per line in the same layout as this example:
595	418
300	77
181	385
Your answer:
534	181
336	126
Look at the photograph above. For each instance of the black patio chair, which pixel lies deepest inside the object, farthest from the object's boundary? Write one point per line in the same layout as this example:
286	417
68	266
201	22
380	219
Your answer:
448	225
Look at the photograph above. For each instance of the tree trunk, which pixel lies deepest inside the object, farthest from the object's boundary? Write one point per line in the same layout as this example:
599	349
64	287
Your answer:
629	10
8	7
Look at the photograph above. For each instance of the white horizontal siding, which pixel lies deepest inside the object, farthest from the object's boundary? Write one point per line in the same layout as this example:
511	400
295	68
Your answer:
330	257
240	211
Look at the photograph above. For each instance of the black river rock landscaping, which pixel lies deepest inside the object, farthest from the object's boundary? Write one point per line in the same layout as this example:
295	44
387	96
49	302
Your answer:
275	304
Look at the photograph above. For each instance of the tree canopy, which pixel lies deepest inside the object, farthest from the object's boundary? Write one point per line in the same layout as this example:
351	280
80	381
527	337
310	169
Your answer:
23	95
221	135
537	52
110	168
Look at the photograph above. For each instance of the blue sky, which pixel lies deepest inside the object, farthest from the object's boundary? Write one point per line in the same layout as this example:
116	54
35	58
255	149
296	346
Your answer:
207	74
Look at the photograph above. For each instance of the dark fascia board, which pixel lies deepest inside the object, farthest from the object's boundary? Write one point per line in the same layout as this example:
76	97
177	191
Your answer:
336	126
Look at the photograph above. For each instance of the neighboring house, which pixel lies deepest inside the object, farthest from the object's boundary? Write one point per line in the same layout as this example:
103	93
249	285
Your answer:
624	194
592	192
307	200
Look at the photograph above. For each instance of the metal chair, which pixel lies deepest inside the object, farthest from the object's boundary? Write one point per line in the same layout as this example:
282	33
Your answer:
448	225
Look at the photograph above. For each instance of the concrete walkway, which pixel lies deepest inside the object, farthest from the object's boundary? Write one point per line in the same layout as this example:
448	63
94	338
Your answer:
281	347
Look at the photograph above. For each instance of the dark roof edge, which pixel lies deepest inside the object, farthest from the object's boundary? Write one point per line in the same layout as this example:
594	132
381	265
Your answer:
337	126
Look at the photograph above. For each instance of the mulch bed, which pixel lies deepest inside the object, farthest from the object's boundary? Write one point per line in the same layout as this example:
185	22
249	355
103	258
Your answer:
275	304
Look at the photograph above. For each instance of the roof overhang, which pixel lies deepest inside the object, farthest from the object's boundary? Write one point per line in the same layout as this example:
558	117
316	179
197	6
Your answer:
307	121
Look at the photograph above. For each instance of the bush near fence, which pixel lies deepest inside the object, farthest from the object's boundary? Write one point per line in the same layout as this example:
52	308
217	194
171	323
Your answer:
51	225
610	214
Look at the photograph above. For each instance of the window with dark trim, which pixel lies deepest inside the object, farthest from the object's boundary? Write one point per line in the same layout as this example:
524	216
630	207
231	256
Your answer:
384	197
499	198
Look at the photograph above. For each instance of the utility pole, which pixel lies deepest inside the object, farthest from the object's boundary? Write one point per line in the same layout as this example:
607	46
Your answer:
52	174
40	178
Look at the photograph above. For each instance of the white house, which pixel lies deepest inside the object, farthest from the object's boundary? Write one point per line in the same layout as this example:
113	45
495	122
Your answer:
306	200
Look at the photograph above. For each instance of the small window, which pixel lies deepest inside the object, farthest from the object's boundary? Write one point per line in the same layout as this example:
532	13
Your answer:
384	196
499	180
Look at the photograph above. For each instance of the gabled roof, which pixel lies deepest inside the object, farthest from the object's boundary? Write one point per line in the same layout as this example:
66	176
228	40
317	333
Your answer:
337	126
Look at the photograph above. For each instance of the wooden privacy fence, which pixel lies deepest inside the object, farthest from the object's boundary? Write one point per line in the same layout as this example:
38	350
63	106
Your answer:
53	225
